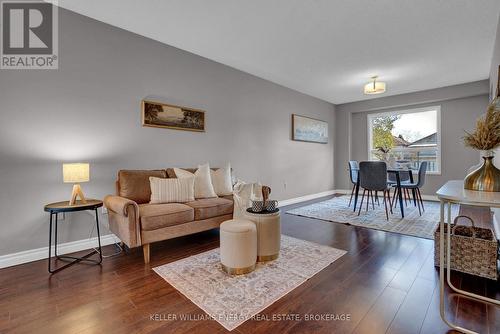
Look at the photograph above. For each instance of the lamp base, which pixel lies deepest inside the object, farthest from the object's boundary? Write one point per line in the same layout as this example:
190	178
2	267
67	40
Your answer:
77	192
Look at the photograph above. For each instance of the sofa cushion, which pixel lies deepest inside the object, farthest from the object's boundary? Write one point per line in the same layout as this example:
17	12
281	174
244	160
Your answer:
155	216
171	190
203	187
211	207
134	184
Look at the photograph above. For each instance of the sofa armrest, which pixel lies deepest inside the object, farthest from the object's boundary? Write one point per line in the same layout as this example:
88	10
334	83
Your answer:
120	205
124	220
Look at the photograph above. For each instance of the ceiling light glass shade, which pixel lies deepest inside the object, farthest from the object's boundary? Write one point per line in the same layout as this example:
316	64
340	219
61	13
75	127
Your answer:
374	87
75	173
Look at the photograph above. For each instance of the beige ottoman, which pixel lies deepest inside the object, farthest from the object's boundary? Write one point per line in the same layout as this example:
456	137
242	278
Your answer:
268	234
238	246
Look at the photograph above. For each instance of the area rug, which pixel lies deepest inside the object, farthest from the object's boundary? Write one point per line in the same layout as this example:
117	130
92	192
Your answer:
337	210
231	300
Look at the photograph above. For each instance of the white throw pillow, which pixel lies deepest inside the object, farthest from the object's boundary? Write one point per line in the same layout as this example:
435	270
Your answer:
221	180
171	190
203	187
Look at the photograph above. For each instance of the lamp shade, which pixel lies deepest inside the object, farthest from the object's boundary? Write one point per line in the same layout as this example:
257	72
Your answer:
375	87
76	173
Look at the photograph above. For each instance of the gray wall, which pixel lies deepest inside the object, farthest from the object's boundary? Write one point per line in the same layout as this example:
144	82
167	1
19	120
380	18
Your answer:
89	110
460	107
495	62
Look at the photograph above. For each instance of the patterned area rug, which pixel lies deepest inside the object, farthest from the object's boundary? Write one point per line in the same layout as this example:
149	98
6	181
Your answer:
231	300
336	210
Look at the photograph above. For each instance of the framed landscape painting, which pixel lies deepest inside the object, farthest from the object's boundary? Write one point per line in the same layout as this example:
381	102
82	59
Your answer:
309	129
161	115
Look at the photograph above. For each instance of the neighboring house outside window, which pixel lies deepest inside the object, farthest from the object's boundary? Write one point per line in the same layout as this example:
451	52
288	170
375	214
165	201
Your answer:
407	136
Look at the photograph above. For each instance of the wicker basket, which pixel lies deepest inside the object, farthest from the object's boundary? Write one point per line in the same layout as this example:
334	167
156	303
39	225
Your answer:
474	250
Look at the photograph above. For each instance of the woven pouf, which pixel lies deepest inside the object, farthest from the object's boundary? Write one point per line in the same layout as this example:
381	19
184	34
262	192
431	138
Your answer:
238	246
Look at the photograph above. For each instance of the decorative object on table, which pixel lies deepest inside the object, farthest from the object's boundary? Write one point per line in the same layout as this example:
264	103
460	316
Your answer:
238	246
161	115
200	278
266	205
486	137
266	191
53	209
403	164
309	129
474	250
383	153
76	173
391	162
268	233
259	206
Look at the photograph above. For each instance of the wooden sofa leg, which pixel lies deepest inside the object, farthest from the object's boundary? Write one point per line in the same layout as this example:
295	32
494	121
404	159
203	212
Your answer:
145	250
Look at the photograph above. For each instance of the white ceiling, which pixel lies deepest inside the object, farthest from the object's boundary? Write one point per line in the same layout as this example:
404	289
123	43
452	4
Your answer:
324	48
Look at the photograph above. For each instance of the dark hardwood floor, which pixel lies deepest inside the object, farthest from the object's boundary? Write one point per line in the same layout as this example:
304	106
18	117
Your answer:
386	283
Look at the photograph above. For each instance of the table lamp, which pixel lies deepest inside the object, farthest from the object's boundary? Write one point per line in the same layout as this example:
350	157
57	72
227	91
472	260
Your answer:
76	173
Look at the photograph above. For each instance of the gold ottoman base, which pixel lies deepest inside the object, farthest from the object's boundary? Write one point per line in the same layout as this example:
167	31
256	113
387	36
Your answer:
238	271
265	258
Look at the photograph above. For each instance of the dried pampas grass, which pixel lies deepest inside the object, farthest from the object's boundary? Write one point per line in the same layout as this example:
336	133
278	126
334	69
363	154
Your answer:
486	136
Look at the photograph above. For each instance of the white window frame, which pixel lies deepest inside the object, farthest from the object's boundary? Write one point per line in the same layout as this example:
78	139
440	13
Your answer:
437	108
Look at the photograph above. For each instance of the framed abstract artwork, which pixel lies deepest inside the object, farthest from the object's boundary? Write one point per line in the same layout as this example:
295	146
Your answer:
161	115
309	129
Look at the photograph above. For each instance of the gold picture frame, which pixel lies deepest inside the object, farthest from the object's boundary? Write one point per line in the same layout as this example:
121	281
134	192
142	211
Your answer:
169	116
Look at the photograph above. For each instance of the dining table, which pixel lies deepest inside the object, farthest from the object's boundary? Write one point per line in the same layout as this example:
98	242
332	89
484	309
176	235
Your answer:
396	171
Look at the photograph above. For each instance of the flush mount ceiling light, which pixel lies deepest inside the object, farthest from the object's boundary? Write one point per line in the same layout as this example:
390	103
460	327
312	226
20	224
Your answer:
374	87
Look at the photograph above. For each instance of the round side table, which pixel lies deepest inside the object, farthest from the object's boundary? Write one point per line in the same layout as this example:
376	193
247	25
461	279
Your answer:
53	209
268	233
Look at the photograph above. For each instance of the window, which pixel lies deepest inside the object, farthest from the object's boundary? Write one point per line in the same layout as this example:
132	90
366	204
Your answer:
407	137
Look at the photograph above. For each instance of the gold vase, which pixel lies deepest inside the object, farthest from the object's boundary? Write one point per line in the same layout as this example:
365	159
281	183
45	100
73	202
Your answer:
485	178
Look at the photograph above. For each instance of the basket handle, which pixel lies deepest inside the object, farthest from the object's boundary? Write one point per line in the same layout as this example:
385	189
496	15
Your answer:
470	227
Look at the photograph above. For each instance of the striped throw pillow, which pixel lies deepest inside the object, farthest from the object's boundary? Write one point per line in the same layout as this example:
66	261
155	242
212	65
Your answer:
178	190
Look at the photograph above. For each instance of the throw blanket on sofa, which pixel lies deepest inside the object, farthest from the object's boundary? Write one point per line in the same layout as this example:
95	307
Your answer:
243	194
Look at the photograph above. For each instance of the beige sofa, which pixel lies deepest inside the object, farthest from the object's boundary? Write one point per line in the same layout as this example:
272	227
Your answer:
138	223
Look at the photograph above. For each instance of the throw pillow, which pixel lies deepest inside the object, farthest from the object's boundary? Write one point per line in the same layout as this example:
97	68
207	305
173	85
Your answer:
221	180
203	187
171	190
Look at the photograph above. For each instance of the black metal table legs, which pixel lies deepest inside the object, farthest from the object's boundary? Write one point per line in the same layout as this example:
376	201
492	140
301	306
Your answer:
400	195
72	260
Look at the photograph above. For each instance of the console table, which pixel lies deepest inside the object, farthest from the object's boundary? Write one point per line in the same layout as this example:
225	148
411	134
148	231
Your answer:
453	192
53	209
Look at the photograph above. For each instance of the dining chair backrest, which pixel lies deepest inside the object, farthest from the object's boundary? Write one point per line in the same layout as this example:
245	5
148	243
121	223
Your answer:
373	175
403	176
353	171
421	174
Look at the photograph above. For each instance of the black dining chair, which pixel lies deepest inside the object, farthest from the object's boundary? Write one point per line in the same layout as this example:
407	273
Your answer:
373	177
417	185
353	175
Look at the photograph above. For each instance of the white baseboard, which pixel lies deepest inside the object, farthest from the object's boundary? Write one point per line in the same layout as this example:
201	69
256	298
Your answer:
306	198
14	259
